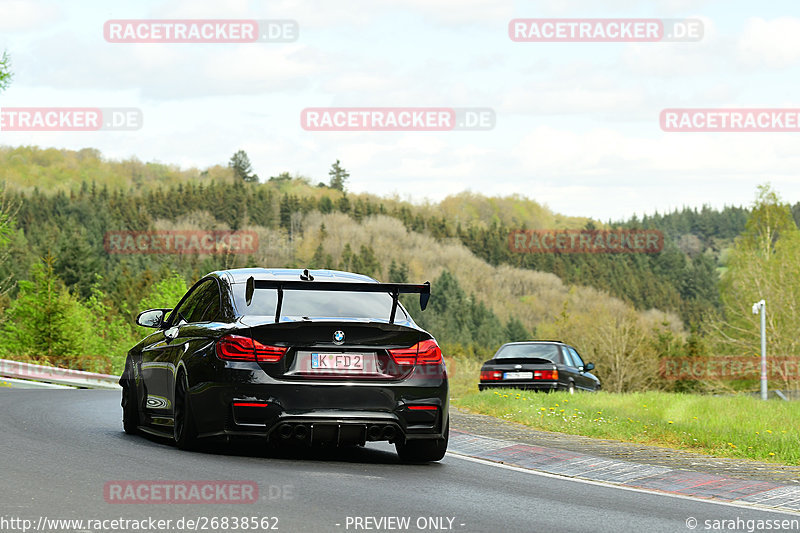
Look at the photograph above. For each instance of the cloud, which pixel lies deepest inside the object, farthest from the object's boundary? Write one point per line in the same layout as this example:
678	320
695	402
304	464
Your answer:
26	15
773	43
170	71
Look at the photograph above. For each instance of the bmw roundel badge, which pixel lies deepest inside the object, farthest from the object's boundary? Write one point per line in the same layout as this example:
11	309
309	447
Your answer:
338	337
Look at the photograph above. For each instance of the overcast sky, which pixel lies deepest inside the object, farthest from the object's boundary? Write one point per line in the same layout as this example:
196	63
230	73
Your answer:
577	124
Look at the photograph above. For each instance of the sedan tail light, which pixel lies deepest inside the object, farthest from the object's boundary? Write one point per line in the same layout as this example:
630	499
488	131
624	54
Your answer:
545	374
238	348
491	375
423	353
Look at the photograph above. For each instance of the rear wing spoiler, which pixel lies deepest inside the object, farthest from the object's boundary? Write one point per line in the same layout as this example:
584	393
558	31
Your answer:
395	289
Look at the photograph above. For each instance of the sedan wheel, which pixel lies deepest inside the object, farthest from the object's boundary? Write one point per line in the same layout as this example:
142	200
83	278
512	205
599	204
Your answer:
130	409
185	432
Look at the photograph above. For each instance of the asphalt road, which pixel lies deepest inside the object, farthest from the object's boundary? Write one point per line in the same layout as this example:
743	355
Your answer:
59	449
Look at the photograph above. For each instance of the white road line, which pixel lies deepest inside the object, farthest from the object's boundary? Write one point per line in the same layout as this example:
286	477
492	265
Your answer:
742	505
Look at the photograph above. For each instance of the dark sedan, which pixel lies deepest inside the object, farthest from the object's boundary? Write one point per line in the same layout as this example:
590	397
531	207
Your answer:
290	356
538	365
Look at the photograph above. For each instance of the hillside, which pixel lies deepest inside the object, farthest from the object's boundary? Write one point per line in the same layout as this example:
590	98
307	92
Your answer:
66	202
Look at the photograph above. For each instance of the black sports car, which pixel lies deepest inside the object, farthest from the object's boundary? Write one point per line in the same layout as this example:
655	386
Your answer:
291	356
538	365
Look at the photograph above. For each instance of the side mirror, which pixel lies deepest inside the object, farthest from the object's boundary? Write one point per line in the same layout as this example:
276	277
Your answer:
152	318
589	366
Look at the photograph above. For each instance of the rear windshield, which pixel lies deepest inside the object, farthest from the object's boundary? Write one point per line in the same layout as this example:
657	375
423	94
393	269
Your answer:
321	304
541	351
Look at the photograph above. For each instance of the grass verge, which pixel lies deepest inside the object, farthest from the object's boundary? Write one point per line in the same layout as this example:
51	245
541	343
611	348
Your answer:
728	426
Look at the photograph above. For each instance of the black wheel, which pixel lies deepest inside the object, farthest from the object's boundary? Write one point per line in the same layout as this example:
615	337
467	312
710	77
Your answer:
130	402
185	431
424	451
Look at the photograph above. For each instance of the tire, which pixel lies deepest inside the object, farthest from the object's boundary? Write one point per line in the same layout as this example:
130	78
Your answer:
184	428
424	451
130	402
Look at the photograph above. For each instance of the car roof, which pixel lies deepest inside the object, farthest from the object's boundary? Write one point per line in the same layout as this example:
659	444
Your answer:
240	275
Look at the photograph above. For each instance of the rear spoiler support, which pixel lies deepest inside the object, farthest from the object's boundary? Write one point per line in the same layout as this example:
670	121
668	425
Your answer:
395	289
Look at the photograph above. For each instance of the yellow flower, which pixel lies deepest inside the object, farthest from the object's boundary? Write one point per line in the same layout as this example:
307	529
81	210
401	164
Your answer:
669	422
769	431
771	453
694	417
543	409
757	433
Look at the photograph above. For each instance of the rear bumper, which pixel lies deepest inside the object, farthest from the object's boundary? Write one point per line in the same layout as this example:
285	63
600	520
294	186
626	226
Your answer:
331	412
525	385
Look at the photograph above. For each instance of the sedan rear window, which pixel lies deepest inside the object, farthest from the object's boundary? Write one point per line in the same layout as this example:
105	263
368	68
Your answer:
540	351
322	304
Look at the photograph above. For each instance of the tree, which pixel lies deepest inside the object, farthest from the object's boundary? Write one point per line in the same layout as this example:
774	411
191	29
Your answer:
242	169
282	177
5	71
338	176
398	272
764	264
164	294
325	205
515	330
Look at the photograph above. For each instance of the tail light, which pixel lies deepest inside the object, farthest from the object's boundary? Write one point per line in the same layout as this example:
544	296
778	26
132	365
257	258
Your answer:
491	375
238	348
545	374
423	407
423	353
250	404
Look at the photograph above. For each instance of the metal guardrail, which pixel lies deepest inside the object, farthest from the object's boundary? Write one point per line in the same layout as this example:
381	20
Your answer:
59	376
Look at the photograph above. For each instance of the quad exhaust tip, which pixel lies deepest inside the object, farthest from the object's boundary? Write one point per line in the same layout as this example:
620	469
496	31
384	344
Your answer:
300	432
388	433
374	432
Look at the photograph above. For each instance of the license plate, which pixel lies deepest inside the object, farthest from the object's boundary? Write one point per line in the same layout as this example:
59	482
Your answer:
337	361
518	375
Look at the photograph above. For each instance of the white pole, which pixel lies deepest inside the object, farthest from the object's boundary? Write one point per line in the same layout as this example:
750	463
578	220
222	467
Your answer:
762	308
763	350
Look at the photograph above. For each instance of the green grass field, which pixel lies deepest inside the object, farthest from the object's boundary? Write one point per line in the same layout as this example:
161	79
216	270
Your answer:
730	426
